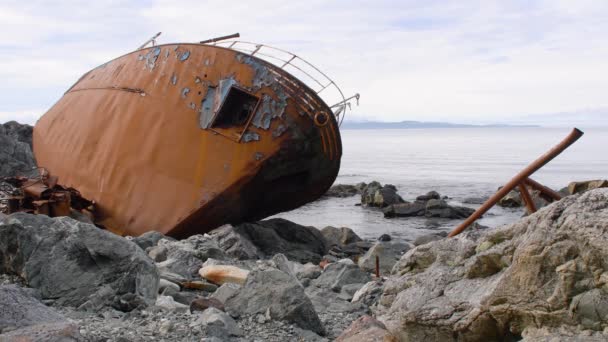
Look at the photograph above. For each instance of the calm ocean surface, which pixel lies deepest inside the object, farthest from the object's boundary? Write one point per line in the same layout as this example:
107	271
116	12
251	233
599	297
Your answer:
456	162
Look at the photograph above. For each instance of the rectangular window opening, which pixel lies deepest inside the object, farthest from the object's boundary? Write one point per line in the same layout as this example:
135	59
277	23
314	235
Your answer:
236	109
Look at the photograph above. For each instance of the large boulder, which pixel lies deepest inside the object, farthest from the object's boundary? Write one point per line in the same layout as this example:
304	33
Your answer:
21	308
16	155
548	271
266	238
75	263
24	318
278	293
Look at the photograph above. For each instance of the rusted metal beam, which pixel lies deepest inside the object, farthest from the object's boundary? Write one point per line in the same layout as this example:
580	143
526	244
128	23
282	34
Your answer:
574	135
525	195
217	39
554	195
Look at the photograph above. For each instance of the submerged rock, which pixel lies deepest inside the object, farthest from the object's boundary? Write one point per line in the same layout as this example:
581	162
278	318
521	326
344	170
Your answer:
547	270
345	190
377	195
75	263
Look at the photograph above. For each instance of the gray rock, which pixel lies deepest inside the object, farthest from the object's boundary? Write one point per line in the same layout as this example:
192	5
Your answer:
345	190
388	253
405	210
376	195
384	237
431	195
309	271
168	303
280	294
16	155
20	308
75	263
440	209
584	186
158	253
511	200
226	291
236	243
339	236
369	293
544	271
64	331
185	257
270	237
338	274
424	239
366	329
219	323
164	284
475	200
149	239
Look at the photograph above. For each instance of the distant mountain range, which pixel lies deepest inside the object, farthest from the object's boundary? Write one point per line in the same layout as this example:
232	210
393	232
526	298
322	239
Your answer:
414	124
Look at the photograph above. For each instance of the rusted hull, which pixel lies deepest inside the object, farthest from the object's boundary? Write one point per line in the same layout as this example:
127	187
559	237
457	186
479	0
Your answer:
183	138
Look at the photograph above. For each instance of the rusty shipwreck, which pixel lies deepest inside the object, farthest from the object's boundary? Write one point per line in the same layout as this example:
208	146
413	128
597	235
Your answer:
182	138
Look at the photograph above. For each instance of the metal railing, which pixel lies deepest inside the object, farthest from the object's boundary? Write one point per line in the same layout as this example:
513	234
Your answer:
306	72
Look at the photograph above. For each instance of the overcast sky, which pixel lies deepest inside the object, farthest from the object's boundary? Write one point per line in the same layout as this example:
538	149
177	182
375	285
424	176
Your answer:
458	61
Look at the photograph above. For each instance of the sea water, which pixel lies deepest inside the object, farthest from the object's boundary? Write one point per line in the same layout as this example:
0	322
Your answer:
456	162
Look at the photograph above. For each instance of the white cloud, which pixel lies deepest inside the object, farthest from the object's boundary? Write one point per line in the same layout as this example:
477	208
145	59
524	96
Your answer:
416	60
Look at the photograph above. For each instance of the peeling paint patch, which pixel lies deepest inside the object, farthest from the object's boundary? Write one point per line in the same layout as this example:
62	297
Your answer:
184	55
250	136
279	131
174	79
167	52
192	105
150	58
185	92
206	111
269	110
258	156
224	86
207	62
262	75
197	80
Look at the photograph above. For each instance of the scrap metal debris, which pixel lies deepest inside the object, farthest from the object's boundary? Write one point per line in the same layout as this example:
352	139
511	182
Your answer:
41	195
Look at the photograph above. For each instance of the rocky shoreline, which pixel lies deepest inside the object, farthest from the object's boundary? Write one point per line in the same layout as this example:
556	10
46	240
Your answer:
543	278
540	278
